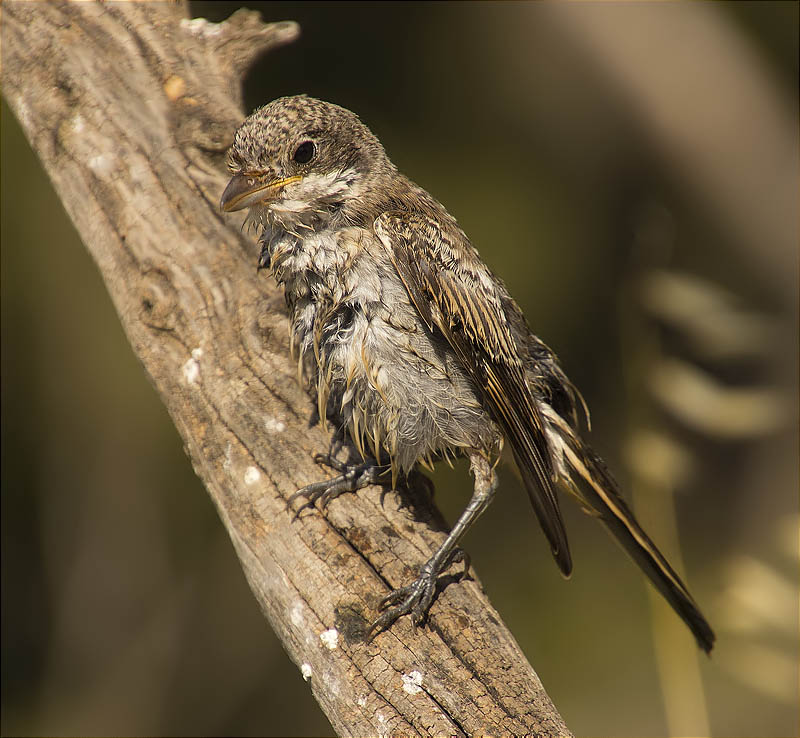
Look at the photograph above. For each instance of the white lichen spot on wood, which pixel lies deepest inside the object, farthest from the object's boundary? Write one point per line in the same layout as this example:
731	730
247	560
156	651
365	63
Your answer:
305	670
201	27
330	638
23	113
297	614
412	682
273	425
102	163
251	475
175	88
191	369
362	700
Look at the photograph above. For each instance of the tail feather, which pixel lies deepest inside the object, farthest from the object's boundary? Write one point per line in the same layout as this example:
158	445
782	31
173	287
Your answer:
600	493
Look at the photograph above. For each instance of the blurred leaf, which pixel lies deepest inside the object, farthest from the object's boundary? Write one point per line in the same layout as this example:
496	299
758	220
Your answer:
657	459
696	399
709	316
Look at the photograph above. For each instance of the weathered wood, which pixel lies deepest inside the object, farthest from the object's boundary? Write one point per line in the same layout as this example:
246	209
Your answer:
131	107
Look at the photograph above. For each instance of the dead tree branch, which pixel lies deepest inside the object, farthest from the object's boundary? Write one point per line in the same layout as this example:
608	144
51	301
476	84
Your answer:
130	107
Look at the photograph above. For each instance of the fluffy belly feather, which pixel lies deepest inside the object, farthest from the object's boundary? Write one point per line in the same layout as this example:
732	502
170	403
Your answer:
401	395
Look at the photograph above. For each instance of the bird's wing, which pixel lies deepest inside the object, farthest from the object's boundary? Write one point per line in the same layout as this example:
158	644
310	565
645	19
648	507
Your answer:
455	293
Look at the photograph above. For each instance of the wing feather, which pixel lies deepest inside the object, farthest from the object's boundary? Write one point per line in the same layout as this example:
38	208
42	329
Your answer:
455	294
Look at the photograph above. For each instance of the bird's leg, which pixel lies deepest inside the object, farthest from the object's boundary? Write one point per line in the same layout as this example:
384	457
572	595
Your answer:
416	597
352	477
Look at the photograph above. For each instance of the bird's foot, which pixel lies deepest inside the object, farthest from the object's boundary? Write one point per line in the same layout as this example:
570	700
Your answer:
352	477
416	598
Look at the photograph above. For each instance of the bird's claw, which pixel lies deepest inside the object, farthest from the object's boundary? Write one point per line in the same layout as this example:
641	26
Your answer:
330	461
415	599
353	477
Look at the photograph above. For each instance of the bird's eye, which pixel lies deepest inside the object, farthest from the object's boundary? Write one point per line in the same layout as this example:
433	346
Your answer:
304	153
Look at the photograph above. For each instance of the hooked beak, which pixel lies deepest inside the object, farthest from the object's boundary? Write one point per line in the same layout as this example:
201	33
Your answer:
246	190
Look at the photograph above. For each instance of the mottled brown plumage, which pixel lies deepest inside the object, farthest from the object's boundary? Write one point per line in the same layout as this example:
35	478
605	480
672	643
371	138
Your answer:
409	340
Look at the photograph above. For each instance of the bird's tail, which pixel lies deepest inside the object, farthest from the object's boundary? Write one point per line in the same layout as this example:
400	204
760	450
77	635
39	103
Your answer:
590	481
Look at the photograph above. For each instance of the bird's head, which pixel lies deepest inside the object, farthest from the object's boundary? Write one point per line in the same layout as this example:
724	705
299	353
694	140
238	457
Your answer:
299	158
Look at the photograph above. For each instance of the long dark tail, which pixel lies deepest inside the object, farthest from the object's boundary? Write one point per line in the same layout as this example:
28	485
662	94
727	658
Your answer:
593	484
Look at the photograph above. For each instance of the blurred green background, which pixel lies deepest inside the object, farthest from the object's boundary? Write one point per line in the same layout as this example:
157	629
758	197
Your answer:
631	172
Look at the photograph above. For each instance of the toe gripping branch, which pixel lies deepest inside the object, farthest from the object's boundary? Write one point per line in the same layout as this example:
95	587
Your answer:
352	477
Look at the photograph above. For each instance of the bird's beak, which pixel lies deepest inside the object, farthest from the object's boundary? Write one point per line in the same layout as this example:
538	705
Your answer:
248	189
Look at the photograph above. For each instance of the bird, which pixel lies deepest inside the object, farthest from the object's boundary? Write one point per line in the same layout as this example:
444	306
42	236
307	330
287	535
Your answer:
411	345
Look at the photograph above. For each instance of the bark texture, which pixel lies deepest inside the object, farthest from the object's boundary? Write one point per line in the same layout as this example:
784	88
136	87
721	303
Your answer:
131	108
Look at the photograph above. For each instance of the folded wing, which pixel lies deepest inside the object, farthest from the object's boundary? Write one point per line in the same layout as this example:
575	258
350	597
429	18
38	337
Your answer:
456	295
